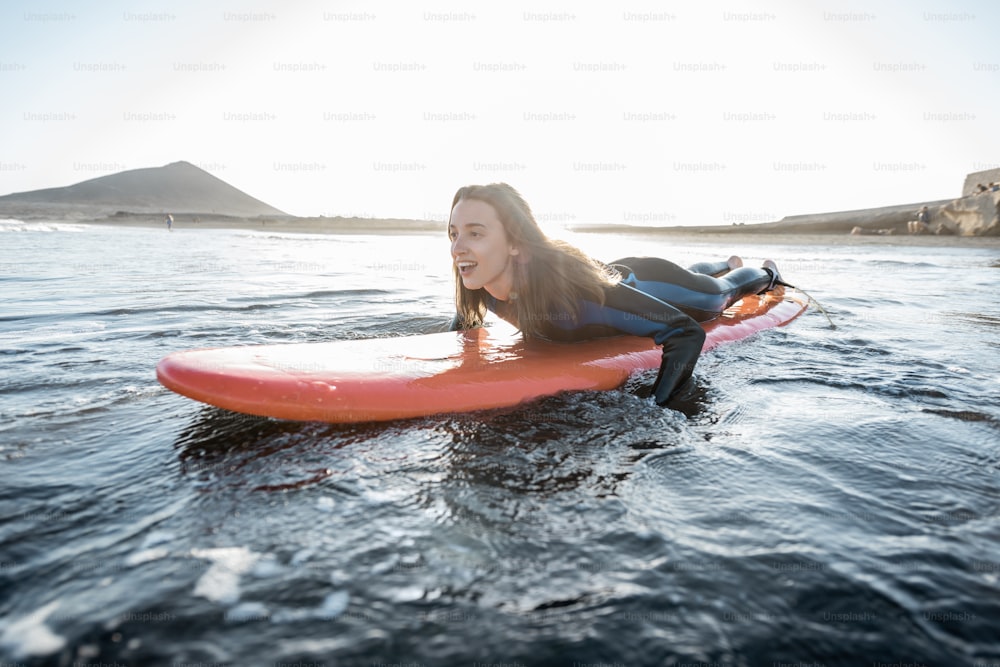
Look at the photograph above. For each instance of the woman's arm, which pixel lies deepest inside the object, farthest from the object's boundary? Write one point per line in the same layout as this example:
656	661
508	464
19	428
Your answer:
627	310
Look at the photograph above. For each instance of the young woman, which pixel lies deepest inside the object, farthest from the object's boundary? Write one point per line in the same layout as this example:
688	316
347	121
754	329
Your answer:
504	263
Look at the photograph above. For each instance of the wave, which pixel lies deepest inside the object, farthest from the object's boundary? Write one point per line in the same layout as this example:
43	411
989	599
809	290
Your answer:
15	225
270	235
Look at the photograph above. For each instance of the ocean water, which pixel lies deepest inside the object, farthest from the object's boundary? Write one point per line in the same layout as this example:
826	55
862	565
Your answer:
825	496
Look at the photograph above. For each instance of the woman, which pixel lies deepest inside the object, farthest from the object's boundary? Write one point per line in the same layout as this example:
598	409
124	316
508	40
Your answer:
504	263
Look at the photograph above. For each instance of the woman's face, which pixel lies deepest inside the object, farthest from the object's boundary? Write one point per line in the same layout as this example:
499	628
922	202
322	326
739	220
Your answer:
480	248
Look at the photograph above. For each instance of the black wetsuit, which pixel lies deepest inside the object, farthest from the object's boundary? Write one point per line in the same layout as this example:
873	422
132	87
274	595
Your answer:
657	299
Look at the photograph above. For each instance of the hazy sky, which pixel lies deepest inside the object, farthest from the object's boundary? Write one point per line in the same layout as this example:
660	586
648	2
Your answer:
675	112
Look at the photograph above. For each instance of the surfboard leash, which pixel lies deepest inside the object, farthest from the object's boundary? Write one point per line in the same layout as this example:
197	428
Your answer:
813	300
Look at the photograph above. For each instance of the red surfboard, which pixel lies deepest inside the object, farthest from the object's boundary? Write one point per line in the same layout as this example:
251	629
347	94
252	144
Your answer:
414	376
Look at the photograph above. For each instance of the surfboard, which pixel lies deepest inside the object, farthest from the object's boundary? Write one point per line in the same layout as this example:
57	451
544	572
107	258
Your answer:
415	376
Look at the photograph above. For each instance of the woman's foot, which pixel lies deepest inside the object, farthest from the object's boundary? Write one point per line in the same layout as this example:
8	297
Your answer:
718	269
772	268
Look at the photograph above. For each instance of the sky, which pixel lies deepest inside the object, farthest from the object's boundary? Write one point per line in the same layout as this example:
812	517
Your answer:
672	112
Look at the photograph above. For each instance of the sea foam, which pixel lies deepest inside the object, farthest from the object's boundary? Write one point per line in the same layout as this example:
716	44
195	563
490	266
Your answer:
30	636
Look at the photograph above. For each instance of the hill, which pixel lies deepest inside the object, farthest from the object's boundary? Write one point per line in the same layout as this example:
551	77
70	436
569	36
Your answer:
179	187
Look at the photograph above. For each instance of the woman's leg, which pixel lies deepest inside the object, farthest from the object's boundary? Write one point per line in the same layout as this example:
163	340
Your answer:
700	295
717	269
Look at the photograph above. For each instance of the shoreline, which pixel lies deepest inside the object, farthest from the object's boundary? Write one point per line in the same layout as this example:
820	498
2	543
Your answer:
799	232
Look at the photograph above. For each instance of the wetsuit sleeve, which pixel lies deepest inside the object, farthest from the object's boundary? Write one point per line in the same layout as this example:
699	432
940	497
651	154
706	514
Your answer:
633	312
680	354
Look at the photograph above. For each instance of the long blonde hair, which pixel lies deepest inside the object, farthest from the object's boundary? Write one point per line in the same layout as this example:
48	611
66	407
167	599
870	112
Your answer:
550	276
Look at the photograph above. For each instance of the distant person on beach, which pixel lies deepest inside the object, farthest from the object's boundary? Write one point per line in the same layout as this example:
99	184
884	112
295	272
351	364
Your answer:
170	223
922	224
505	264
924	215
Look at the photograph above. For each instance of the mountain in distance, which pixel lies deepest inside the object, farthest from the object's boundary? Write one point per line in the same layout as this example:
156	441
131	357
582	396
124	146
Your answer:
179	187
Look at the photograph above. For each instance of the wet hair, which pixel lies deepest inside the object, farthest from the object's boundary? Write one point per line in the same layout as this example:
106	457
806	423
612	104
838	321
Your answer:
550	276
